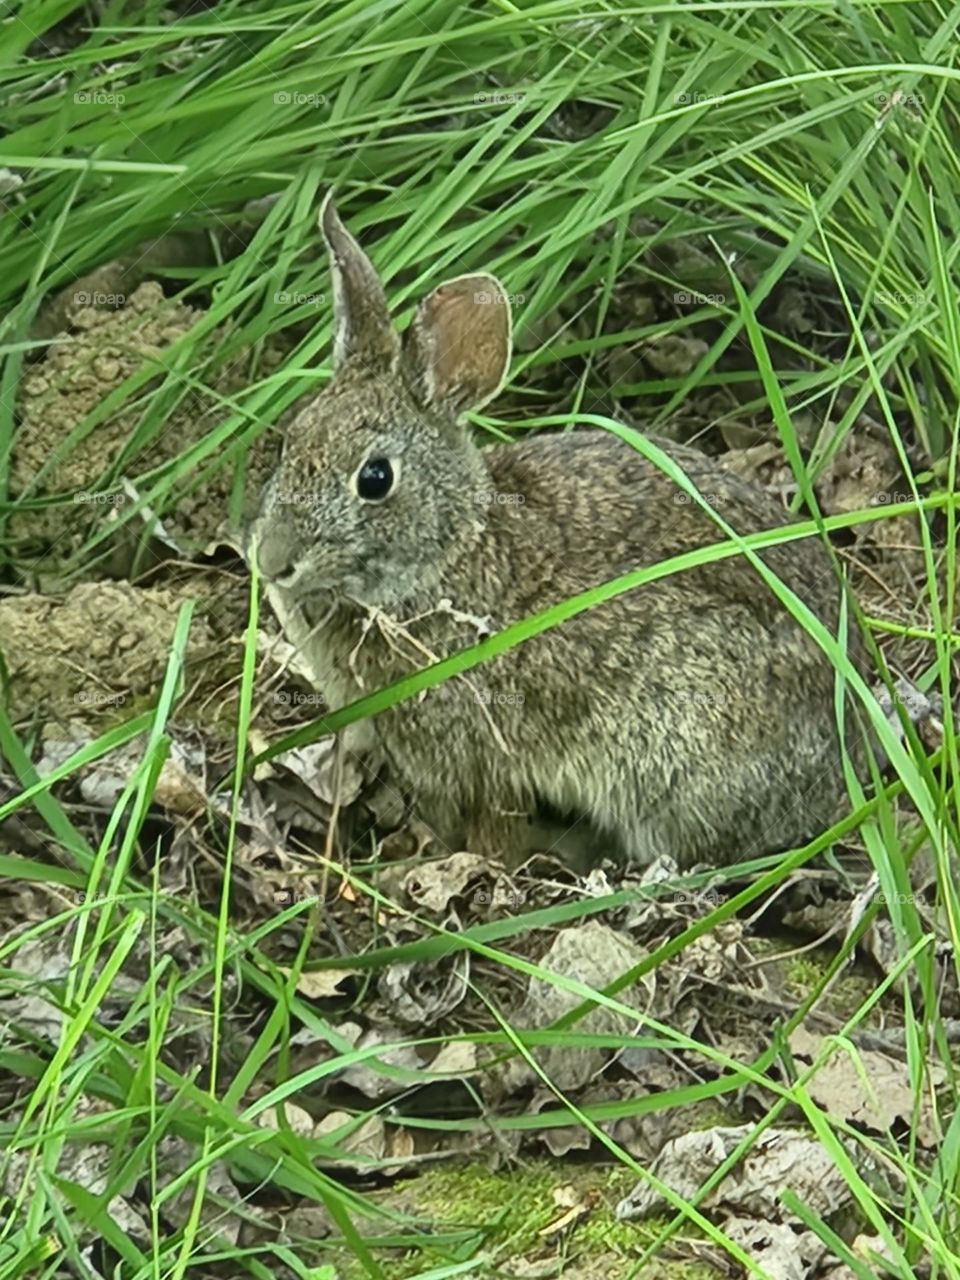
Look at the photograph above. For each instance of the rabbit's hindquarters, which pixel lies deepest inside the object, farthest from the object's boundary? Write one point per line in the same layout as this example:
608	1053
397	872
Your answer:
660	747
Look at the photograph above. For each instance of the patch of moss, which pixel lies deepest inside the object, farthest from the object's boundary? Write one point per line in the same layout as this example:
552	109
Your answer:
507	1216
804	973
846	993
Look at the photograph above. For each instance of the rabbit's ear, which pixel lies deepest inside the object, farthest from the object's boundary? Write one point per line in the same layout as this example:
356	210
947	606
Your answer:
456	353
362	328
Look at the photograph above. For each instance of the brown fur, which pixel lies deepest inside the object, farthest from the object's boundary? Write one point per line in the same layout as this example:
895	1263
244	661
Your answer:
689	717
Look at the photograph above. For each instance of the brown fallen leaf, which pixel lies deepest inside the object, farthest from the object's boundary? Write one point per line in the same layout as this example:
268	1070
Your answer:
781	1252
434	882
297	1119
596	956
780	1159
323	984
367	1142
868	1088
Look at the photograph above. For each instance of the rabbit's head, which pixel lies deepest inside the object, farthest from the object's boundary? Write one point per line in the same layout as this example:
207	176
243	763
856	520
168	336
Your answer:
380	484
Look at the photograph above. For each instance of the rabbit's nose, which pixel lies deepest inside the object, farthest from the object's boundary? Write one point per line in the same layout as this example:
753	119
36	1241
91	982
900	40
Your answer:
276	559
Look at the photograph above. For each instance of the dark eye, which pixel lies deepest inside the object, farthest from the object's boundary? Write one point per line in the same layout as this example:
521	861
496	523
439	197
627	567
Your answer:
375	479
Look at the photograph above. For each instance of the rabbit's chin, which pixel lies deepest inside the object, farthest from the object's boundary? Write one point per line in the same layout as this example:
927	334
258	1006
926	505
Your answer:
360	590
388	596
382	582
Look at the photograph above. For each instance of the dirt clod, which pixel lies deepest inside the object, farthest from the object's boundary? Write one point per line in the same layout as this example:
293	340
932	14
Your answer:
92	654
68	448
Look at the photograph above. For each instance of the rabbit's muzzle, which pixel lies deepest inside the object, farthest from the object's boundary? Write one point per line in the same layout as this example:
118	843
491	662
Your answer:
277	551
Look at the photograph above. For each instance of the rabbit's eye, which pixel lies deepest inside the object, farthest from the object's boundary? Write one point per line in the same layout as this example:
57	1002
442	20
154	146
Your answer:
375	479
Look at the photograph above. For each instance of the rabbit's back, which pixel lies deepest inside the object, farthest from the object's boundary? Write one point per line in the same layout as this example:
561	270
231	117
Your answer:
689	716
606	509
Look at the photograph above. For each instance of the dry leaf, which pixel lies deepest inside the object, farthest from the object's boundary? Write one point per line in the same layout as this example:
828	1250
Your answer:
888	1098
323	984
781	1252
596	956
779	1159
432	883
298	1120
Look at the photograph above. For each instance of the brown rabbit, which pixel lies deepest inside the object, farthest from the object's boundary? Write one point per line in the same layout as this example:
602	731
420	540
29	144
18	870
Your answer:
691	716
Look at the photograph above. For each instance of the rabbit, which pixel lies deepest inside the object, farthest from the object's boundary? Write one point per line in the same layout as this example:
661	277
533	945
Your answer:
691	717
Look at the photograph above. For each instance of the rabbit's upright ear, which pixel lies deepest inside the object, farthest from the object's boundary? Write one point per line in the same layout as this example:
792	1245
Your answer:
362	328
456	353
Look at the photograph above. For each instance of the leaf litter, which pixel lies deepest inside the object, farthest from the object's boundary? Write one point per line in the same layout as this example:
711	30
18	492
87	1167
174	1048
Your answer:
89	651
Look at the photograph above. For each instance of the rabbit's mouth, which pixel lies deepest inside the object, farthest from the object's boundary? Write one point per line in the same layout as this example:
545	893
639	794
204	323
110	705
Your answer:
385	576
363	584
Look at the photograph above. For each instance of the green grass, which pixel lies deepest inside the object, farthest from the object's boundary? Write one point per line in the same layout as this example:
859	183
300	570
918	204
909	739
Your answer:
810	141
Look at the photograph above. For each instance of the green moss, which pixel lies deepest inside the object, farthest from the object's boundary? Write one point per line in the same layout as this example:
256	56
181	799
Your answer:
847	992
804	973
502	1216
